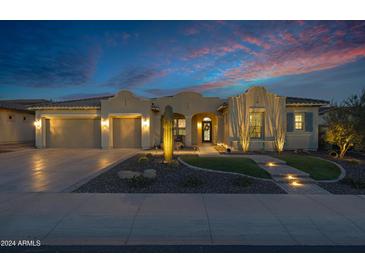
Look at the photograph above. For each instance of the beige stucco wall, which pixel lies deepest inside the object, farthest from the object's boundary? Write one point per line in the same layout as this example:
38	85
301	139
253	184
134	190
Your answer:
303	139
16	130
255	99
188	104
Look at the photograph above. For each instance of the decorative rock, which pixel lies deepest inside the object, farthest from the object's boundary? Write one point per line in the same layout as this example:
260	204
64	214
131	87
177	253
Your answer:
149	173
128	174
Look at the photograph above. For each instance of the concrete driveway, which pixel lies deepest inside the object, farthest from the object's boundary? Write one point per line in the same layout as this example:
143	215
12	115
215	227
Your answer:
54	170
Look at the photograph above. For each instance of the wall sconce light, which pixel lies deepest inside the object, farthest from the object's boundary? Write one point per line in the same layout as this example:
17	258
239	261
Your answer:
145	122
104	123
199	125
37	124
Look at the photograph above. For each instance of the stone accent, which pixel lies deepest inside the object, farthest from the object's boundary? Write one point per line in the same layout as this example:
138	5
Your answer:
128	174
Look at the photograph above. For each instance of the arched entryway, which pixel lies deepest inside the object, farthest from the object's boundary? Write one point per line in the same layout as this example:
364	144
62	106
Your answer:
204	128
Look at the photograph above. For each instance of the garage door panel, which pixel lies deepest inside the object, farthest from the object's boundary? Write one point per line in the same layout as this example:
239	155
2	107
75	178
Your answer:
73	133
127	132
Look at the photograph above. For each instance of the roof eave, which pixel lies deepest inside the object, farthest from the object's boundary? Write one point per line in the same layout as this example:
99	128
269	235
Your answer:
63	108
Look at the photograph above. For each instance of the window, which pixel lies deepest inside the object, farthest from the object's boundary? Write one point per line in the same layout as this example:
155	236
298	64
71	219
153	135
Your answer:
299	121
256	125
179	127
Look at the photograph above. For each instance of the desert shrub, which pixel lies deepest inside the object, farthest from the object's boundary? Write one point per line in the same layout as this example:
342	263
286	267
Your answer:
242	182
143	160
174	164
333	154
355	183
139	182
149	155
192	181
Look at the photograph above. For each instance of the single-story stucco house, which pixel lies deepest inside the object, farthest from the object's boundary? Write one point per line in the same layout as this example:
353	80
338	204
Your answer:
255	120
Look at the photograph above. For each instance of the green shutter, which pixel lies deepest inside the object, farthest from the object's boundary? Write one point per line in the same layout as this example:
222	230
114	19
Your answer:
309	121
290	122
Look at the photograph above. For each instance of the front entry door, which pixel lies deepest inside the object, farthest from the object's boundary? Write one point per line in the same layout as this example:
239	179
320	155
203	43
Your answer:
207	132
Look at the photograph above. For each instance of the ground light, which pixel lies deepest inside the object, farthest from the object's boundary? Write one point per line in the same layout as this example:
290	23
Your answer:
291	177
296	183
271	164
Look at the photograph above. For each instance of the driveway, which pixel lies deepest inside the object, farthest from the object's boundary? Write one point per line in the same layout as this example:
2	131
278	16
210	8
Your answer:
54	170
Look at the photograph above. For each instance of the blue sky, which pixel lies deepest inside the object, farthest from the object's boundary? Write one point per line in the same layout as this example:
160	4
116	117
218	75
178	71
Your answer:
75	59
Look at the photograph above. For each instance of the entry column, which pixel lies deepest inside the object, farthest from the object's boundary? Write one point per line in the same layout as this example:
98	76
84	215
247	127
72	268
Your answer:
188	130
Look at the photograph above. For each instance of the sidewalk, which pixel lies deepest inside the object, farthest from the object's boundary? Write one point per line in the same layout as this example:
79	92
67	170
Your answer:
133	219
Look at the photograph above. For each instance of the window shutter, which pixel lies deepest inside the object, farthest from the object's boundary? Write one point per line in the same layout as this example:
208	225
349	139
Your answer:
309	121
290	122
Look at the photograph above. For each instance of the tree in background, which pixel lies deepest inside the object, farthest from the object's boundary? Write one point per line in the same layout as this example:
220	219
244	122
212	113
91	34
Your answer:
345	123
356	107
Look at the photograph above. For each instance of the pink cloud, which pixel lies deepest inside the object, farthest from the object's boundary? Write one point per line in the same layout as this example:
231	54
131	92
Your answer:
256	41
218	50
295	62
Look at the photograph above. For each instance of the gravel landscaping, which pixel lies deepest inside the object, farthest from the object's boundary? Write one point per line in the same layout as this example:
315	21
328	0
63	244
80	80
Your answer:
354	183
173	178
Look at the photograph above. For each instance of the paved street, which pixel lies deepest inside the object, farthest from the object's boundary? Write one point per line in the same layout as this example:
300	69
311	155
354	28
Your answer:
54	170
132	219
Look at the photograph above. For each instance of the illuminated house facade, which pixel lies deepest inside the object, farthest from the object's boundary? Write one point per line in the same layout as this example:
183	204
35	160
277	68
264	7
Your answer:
253	120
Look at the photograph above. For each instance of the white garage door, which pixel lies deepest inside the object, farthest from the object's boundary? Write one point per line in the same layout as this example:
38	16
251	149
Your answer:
127	132
73	133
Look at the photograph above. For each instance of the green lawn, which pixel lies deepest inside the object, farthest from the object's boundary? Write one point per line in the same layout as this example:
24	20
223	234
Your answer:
238	165
317	168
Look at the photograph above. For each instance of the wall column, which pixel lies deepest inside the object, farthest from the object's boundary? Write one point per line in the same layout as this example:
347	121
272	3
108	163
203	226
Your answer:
105	131
146	128
188	131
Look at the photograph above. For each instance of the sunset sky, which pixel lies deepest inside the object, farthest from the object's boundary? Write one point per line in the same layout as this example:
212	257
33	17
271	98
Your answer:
63	60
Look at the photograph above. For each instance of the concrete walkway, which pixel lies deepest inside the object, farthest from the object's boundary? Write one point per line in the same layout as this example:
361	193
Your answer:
54	170
290	179
131	219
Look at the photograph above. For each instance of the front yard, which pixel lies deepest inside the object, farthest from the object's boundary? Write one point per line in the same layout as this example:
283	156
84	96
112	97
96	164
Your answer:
178	178
317	168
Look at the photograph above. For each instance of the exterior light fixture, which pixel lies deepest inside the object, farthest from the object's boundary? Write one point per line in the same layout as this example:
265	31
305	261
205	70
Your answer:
290	177
199	125
145	123
296	183
271	164
104	123
37	124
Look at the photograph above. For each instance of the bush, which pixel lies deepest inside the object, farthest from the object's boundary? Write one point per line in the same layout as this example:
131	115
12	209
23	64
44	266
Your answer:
139	182
242	182
143	160
192	181
355	183
149	155
173	164
333	154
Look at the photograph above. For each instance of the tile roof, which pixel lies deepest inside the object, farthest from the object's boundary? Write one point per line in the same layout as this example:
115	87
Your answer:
87	103
305	101
20	104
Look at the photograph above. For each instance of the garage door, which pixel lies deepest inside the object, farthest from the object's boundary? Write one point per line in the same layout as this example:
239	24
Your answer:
73	133
127	132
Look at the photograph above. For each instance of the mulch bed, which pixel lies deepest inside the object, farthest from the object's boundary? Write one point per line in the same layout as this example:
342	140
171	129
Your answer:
173	179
